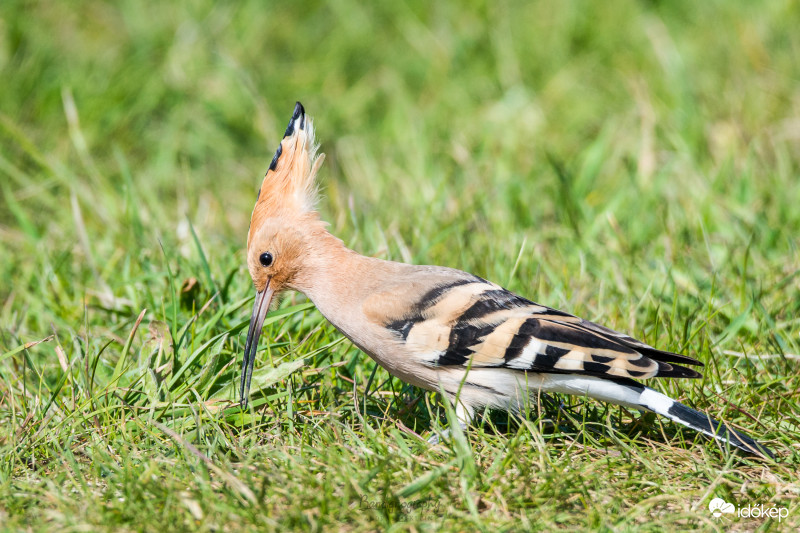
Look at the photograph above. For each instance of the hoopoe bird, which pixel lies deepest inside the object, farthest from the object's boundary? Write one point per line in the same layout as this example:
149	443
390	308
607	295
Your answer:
439	328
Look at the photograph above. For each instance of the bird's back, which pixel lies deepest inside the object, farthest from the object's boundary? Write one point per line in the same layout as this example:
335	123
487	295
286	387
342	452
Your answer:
444	318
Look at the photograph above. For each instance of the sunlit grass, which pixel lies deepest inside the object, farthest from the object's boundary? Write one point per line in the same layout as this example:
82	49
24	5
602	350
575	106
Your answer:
634	163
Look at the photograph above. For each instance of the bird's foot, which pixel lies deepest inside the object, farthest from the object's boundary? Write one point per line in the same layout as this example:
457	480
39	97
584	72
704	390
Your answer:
444	435
434	439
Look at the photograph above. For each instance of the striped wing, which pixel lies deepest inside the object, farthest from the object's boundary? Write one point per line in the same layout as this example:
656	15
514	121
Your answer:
474	322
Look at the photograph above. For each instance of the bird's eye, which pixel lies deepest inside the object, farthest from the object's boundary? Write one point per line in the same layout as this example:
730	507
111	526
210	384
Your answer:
265	259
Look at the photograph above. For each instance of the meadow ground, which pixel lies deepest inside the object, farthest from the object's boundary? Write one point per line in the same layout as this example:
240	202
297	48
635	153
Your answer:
633	162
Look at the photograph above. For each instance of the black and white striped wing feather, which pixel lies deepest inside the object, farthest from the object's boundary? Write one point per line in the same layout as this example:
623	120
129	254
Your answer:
477	323
469	322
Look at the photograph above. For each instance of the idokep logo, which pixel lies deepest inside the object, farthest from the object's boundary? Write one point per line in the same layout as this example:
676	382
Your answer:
718	507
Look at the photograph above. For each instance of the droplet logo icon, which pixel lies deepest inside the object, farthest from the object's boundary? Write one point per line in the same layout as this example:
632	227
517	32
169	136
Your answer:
718	507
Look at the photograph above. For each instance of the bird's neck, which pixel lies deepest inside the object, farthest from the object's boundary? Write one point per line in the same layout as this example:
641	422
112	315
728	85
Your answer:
338	279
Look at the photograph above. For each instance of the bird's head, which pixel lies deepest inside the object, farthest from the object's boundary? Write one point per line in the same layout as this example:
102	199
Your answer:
283	228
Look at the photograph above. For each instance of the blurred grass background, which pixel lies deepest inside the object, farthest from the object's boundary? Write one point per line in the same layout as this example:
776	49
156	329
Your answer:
633	162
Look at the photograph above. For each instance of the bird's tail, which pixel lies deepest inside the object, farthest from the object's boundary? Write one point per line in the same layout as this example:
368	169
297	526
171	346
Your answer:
635	395
677	412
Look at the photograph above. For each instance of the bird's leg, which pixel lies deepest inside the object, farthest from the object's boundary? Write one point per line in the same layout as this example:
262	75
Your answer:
464	416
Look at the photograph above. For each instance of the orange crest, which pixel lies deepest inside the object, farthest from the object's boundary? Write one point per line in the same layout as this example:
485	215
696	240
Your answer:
288	188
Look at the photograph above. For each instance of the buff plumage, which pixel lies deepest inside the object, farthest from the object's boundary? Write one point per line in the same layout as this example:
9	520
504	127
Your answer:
440	328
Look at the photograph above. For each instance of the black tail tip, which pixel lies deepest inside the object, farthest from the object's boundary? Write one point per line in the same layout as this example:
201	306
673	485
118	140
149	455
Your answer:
714	428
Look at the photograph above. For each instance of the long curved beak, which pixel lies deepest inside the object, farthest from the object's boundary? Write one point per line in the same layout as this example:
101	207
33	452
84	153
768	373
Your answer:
260	308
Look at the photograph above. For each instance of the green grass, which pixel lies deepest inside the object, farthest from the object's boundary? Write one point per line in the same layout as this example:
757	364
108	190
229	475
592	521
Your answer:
635	163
